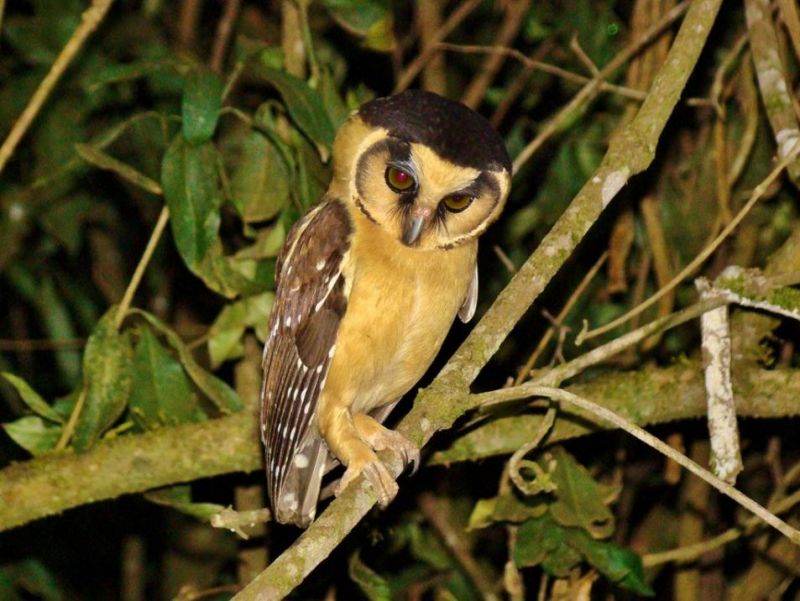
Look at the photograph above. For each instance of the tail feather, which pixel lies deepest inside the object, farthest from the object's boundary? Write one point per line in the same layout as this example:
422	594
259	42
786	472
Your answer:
296	499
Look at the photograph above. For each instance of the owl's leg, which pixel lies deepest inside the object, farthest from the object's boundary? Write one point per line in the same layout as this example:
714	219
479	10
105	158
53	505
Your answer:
384	439
352	450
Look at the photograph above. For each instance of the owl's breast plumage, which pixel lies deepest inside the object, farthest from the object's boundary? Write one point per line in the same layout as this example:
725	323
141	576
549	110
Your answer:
402	303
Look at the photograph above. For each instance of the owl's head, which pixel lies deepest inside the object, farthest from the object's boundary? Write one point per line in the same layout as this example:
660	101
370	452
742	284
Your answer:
432	172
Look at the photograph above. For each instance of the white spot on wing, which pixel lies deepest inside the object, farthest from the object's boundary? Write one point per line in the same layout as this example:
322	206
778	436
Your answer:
301	461
320	265
288	321
290	500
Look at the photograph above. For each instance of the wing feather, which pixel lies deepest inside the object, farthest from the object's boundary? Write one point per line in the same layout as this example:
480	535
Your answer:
309	305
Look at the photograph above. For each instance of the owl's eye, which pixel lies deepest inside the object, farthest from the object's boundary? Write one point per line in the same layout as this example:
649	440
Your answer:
455	203
399	180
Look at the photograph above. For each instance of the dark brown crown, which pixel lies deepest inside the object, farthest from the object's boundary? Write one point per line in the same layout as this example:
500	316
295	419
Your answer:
452	130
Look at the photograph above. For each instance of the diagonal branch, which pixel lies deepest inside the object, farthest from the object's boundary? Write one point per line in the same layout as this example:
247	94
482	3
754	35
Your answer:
436	408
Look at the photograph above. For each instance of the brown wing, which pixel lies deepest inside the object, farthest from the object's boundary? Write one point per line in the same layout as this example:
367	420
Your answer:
310	302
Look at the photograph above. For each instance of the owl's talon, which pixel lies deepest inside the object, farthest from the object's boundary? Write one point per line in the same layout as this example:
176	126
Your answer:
383	439
377	475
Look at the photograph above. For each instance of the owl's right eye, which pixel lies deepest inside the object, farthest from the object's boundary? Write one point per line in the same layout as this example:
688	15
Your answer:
399	180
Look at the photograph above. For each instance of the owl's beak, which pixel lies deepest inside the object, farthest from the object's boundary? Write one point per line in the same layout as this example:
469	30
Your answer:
415	222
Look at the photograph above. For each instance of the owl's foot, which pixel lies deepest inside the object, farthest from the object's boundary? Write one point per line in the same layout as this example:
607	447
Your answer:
383	439
363	460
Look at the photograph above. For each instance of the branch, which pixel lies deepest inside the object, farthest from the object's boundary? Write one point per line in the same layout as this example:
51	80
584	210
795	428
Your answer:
436	408
55	482
568	398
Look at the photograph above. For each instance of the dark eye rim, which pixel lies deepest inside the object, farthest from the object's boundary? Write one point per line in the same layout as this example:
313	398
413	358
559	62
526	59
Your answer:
450	209
410	188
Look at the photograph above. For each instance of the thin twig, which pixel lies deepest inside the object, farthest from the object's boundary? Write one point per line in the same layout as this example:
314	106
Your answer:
692	552
454	541
69	428
127	298
89	21
545	340
758	192
542	66
223	35
28	345
504	259
514	464
429	21
513	20
562	396
517	85
188	18
590	89
411	71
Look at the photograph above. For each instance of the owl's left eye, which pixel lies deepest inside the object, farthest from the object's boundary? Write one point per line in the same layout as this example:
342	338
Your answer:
399	180
455	203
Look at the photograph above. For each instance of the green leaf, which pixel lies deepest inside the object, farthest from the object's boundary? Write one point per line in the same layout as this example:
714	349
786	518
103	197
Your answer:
118	73
8	590
230	276
536	539
621	566
579	499
59	325
102	160
33	434
260	180
107	380
180	498
222	395
509	507
561	561
483	514
64	220
191	189
225	334
267	244
202	101
33	577
333	101
368	19
32	398
305	108
163	394
373	585
313	176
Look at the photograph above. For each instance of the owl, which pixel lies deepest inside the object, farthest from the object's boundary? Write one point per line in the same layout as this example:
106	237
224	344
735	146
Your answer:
368	284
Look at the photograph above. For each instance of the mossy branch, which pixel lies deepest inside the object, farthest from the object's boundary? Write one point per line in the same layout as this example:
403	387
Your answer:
631	151
56	482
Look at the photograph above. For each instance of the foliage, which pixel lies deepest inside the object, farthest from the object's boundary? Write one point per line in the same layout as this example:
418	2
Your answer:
111	330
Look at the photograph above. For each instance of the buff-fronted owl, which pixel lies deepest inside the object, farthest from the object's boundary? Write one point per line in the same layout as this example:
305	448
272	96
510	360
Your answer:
369	283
